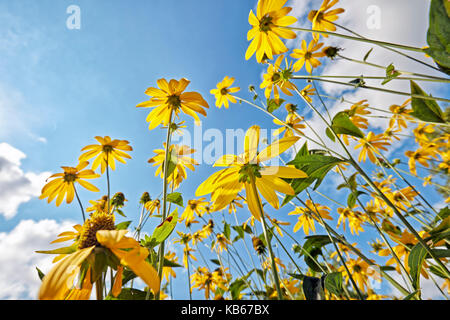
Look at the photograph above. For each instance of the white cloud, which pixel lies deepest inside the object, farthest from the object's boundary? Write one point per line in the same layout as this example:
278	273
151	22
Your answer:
17	186
19	277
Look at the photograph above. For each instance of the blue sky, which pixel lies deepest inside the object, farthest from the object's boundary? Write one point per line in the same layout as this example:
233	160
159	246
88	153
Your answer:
59	87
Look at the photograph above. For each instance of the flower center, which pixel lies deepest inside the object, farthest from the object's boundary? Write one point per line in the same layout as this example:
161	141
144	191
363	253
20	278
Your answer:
224	91
70	177
249	171
107	148
276	77
174	101
98	221
265	24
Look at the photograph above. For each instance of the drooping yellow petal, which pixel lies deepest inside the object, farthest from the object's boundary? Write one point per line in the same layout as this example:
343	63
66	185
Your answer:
57	283
252	202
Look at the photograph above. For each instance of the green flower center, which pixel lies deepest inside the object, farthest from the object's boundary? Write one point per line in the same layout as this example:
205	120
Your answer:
265	24
174	101
70	177
249	171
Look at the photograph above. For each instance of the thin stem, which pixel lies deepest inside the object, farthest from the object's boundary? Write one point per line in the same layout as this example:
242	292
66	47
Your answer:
79	202
386	47
370	77
189	276
380	89
377	42
266	236
107	180
164	209
99	288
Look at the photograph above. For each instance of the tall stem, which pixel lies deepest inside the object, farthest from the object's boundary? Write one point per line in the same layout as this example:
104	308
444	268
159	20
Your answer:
79	202
164	209
266	236
107	180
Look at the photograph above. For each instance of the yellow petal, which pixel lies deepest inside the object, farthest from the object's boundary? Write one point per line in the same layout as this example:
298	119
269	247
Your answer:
55	285
276	148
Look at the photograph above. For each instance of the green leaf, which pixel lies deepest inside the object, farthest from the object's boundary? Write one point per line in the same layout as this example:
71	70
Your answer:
129	294
330	134
333	283
120	212
297	276
236	288
367	54
424	109
352	197
316	166
65	250
342	124
215	261
411	295
415	261
273	104
175	198
312	249
226	230
123	225
442	231
163	231
40	273
438	35
391	74
313	288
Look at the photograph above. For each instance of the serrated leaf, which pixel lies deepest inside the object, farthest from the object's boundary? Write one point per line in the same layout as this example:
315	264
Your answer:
175	198
424	109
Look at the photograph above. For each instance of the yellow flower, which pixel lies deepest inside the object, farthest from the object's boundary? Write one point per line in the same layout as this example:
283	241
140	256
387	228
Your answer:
322	19
267	29
64	184
178	158
308	215
96	235
307	56
98	205
421	155
308	91
275	78
359	271
246	170
153	205
399	115
353	217
106	152
221	243
370	146
196	206
294	126
168	271
203	279
222	92
357	113
170	99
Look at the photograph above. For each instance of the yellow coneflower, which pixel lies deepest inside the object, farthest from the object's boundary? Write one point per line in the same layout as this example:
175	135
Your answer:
370	146
307	216
64	184
169	99
197	206
307	56
294	126
322	19
106	152
267	29
222	92
276	79
246	171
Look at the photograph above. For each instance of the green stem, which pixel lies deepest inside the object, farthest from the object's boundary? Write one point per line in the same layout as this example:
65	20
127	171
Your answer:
377	42
370	77
107	180
386	47
79	202
266	236
164	208
380	89
99	288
